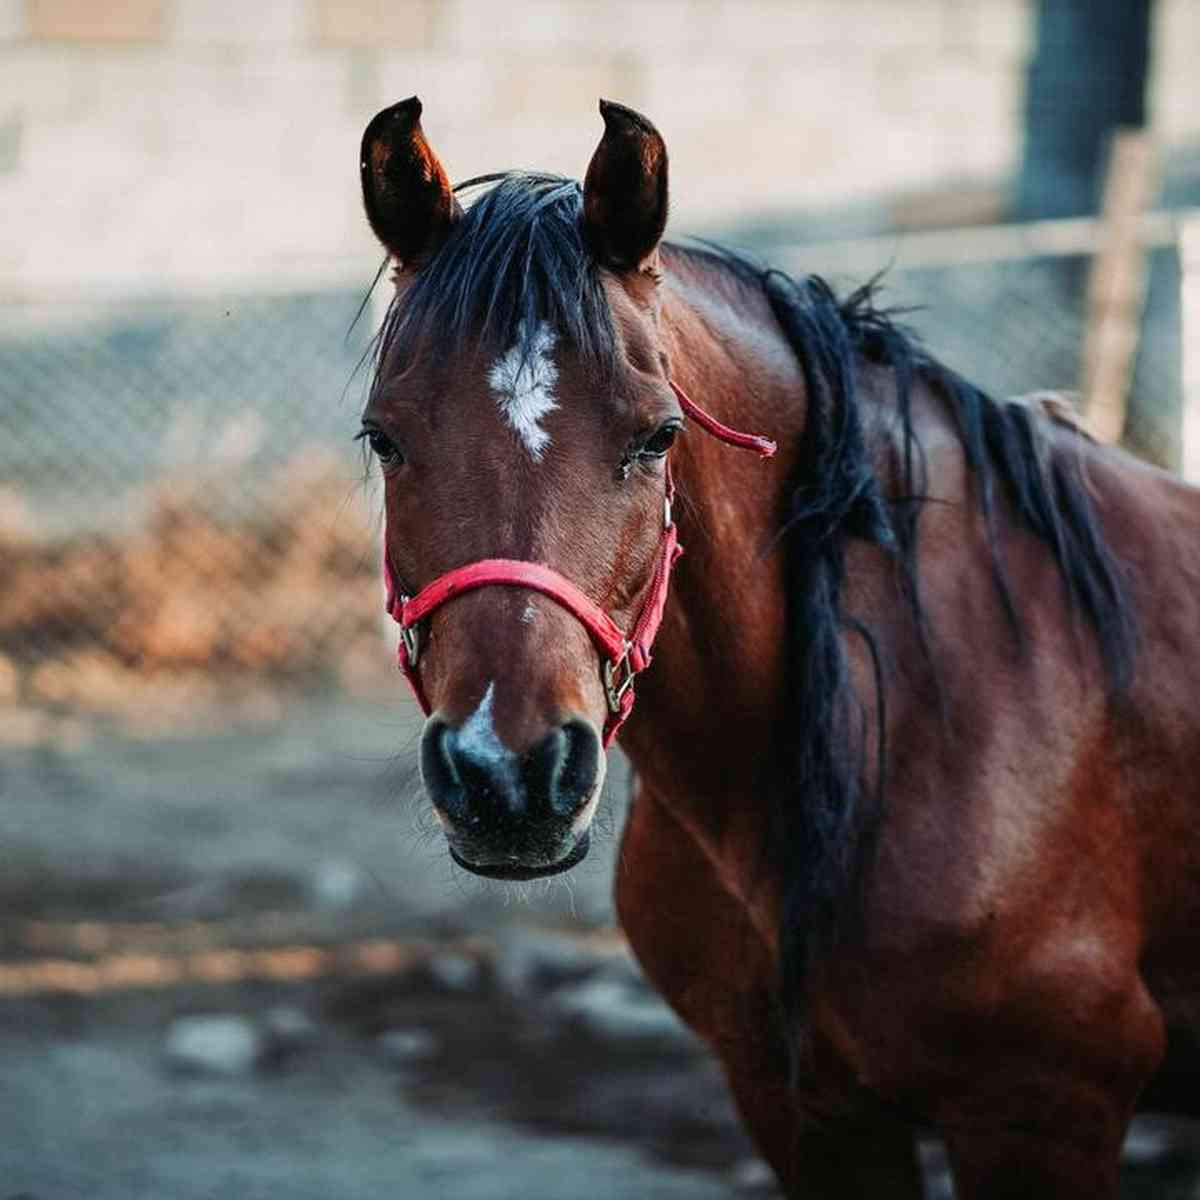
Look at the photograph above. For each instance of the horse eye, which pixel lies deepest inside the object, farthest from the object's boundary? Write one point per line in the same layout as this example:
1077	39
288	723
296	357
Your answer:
659	442
383	447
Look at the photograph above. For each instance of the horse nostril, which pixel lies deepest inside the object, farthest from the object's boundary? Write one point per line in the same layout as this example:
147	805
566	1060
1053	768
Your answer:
438	770
560	772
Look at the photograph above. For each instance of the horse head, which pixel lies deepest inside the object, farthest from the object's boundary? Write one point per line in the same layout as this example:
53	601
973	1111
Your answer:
522	414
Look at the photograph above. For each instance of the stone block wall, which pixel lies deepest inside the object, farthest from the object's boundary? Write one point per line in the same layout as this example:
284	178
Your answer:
168	140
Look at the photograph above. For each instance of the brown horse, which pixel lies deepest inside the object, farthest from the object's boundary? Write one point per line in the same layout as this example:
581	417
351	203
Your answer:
914	843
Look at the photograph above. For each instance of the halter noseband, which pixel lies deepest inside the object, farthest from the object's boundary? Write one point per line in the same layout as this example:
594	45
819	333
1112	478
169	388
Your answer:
622	658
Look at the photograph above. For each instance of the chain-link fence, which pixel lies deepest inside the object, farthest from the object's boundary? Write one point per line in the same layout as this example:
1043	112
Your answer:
1014	327
181	505
180	501
1013	321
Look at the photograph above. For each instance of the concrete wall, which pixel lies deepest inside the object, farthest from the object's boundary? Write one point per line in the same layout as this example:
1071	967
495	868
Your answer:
181	141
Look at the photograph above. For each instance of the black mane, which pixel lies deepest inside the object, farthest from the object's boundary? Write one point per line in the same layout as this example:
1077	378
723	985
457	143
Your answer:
826	817
517	257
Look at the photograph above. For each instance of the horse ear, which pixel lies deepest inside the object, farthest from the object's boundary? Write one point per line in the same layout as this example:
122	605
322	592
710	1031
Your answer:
406	191
625	190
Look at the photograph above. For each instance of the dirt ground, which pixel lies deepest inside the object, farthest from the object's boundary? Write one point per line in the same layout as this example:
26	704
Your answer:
238	964
458	1079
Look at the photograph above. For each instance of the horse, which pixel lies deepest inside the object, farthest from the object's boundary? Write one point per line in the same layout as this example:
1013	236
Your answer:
913	841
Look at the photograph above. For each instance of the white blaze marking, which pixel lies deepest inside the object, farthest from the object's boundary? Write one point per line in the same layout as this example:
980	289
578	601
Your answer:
478	740
524	387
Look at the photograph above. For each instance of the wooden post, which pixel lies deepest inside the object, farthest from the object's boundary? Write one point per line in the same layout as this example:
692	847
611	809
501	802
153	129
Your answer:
1189	329
1117	285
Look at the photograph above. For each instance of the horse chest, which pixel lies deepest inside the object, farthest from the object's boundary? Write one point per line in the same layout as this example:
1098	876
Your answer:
696	939
691	932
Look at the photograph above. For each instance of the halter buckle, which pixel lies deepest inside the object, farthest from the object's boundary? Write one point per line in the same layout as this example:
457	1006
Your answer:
410	635
614	689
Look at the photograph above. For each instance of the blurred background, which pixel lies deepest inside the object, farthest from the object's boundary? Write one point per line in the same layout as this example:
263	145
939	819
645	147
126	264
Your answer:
234	959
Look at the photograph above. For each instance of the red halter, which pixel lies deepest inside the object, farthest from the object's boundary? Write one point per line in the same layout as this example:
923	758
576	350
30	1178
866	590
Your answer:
622	658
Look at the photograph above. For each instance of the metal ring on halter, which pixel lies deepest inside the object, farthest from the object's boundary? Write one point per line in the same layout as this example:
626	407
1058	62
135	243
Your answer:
614	691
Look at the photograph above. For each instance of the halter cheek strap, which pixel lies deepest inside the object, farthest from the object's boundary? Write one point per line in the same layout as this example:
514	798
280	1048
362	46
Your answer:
622	658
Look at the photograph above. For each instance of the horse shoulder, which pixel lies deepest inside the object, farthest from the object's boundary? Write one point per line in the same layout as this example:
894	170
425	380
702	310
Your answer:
1154	526
991	972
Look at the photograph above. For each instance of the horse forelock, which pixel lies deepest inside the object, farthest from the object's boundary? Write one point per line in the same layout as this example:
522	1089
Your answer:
513	270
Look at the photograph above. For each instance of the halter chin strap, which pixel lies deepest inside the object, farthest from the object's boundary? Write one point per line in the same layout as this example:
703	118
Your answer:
621	657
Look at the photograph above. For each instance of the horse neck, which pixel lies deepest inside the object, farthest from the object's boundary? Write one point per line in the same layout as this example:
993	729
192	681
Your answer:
707	711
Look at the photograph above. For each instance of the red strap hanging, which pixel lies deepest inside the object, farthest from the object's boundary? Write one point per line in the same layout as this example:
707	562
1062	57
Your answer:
764	447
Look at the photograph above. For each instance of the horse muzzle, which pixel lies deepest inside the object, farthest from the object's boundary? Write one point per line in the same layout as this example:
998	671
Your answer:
510	814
